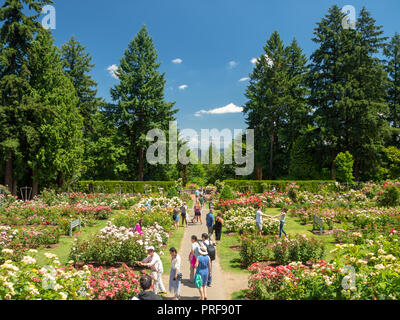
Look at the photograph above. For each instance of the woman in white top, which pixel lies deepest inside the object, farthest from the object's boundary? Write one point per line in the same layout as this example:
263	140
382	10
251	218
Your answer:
175	275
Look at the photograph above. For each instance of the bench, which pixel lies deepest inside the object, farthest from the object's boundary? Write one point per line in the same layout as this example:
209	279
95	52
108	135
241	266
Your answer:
74	224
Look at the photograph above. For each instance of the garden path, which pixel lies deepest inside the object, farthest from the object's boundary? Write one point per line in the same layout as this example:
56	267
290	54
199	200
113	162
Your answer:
223	283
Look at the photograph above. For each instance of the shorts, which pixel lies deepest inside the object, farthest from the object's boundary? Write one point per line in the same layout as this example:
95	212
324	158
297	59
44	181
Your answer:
259	226
197	214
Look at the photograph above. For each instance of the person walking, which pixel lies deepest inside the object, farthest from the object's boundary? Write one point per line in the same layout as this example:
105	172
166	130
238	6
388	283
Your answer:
203	268
193	255
210	223
147	285
154	262
219	222
197	212
175	275
211	253
201	200
175	217
184	214
259	221
282	216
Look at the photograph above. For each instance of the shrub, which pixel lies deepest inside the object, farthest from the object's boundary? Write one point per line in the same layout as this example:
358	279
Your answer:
172	193
280	185
344	167
298	249
114	283
126	186
254	249
227	193
390	196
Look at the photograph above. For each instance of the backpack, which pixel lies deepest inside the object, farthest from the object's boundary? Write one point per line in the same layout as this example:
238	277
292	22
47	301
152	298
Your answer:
211	251
174	216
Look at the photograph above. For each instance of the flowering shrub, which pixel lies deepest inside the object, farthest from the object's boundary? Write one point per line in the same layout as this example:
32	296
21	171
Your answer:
114	283
390	195
117	245
130	218
292	191
243	220
298	248
375	276
254	249
26	280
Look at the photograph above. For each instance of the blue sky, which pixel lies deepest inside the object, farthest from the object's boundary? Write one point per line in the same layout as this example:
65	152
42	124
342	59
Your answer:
214	39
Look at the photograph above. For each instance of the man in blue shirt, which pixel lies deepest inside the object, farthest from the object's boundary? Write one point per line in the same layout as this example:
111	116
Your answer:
210	223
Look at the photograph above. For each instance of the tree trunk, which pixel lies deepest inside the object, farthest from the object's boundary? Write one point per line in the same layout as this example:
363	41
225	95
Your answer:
271	156
258	172
140	177
357	170
35	185
8	180
60	180
333	169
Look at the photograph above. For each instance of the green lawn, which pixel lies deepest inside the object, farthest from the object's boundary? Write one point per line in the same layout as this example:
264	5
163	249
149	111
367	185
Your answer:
230	258
174	241
63	248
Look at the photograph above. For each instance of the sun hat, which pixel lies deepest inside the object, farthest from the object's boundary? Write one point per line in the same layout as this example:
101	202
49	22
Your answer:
203	250
150	248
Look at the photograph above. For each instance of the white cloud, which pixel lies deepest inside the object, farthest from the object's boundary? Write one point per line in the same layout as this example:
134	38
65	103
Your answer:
270	62
232	64
183	87
113	70
244	79
230	108
177	61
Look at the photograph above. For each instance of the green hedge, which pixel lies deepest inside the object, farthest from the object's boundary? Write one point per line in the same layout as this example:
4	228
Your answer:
126	186
262	186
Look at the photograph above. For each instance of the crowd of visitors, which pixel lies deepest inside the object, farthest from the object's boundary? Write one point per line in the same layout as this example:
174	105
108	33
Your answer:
202	252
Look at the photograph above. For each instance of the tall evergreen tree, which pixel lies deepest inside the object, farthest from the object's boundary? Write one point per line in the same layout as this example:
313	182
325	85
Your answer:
392	53
77	64
16	34
347	89
297	111
266	92
140	96
52	123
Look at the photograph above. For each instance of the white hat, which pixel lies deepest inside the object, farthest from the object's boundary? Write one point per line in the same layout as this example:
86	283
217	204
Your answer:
150	248
203	251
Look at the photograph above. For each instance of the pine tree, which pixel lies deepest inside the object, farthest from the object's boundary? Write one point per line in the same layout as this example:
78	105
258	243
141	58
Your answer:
297	111
347	89
267	96
140	96
77	64
52	121
16	33
392	53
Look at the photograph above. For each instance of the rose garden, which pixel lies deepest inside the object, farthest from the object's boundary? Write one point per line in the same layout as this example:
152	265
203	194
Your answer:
355	257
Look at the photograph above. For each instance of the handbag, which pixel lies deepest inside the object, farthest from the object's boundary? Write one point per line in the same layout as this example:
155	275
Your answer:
179	277
198	280
193	262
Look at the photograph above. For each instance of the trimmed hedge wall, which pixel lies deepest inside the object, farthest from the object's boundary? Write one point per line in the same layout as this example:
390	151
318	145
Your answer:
262	186
126	186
